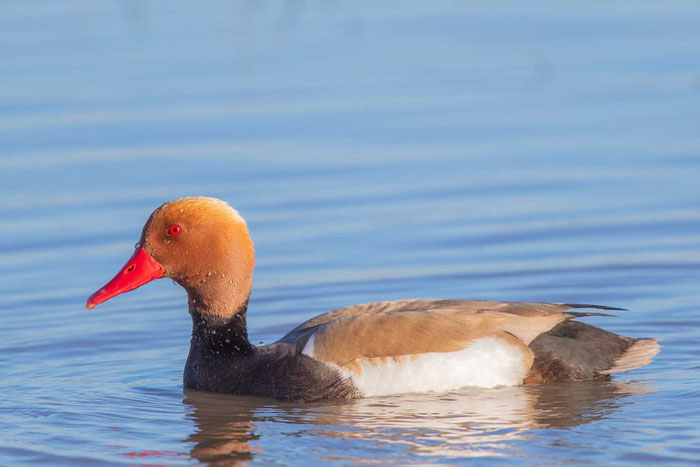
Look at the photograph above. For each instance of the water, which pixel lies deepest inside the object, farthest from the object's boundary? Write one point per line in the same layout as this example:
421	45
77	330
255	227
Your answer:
495	150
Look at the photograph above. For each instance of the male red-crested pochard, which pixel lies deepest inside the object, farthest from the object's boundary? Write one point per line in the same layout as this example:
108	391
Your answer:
363	350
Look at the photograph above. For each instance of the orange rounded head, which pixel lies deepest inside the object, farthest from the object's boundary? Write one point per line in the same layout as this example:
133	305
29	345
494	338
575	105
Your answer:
201	243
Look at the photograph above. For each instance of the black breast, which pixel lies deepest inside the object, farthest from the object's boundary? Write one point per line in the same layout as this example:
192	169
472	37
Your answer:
275	370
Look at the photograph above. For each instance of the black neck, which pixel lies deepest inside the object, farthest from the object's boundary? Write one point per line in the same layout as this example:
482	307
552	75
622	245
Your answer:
221	335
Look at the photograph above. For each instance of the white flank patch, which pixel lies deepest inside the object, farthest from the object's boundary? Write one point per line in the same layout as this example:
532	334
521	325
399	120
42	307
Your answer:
487	362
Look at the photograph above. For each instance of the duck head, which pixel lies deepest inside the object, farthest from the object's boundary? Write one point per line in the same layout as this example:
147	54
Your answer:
201	243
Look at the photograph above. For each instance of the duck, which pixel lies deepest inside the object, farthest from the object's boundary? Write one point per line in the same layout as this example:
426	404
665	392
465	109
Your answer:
371	349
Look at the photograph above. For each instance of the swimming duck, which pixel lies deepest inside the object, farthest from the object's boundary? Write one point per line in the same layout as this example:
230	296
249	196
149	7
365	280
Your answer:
372	349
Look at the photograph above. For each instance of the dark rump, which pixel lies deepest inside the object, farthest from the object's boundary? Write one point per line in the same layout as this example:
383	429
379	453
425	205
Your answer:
575	351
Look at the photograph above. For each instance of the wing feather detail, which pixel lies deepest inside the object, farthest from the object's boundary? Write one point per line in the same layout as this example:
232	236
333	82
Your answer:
414	327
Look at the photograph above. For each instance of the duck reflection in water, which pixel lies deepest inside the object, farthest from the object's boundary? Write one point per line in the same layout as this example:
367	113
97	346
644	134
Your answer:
468	423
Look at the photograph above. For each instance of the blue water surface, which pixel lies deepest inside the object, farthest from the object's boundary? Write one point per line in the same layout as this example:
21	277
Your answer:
501	150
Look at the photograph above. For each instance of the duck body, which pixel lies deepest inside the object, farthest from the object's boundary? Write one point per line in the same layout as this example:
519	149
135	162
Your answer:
396	347
364	350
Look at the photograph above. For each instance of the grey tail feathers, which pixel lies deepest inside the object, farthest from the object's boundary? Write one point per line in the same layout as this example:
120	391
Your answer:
639	354
636	356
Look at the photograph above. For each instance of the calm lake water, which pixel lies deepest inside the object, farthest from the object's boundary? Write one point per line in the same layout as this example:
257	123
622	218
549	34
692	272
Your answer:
521	151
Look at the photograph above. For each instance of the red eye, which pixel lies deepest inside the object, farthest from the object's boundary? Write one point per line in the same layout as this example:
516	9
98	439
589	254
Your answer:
175	230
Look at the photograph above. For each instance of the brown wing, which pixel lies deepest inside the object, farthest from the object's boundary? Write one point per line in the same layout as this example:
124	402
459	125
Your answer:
410	327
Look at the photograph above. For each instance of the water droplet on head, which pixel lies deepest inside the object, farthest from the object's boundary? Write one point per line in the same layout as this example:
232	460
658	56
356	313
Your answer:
223	275
228	341
230	281
209	274
213	331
